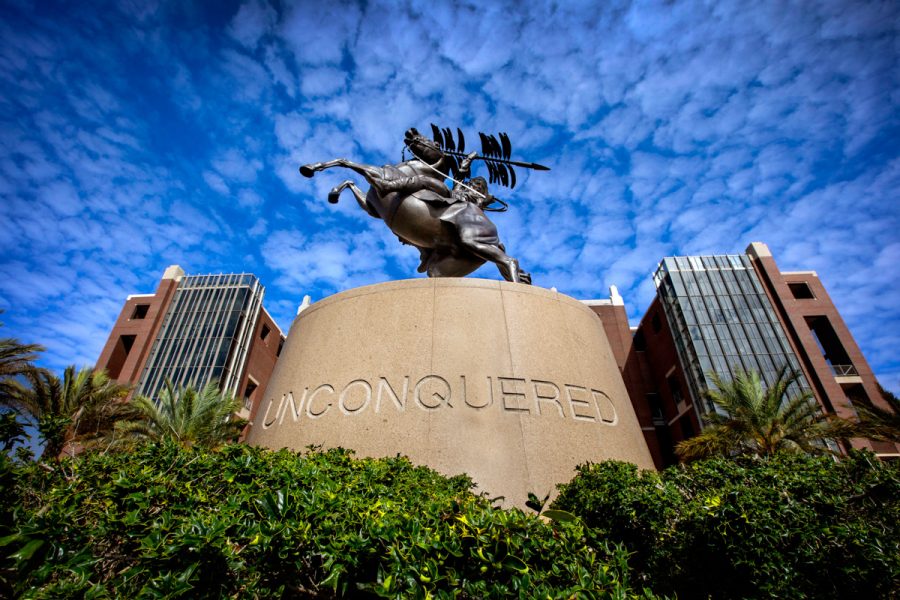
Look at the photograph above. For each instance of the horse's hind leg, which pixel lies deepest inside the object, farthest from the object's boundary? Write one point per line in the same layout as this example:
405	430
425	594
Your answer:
509	268
507	265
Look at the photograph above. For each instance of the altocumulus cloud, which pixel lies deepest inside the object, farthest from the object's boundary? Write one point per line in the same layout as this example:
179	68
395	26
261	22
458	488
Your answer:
134	138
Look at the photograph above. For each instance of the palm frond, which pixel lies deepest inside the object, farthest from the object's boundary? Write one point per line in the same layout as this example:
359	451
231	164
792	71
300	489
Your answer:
76	409
184	415
714	441
16	359
751	418
877	422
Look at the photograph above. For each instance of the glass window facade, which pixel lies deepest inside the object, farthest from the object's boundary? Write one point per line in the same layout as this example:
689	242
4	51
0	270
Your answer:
206	333
721	320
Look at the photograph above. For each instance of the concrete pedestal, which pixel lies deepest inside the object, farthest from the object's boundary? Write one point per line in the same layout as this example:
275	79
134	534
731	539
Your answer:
513	384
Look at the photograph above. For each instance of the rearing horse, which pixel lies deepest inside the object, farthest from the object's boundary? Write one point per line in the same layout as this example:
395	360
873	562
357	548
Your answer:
415	203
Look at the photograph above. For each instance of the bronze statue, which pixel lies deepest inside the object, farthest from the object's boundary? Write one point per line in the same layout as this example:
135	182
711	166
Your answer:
449	227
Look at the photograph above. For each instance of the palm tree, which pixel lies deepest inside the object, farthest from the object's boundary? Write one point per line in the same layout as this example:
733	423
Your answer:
761	421
15	361
80	408
184	415
878	423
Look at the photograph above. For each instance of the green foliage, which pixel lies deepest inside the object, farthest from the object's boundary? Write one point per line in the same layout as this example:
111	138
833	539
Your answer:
788	526
184	415
16	359
167	521
878	423
12	431
760	420
79	408
535	503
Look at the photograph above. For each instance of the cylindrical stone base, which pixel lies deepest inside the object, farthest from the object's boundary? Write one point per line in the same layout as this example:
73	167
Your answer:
512	384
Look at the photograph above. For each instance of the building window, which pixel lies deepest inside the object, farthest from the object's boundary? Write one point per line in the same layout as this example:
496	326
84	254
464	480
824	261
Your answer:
119	354
248	394
140	311
656	411
830	344
204	333
656	323
801	291
640	344
687	428
280	346
675	389
265	332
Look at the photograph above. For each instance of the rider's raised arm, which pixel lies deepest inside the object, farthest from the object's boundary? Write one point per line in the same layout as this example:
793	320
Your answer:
465	167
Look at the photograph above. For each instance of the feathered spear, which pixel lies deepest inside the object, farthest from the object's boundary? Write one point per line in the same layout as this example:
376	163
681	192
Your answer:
495	154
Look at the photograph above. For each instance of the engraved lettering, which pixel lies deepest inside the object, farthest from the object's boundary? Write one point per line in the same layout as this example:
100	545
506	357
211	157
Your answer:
309	405
295	409
605	407
342	401
436	397
573	401
400	401
282	406
465	394
430	392
266	423
550	395
513	393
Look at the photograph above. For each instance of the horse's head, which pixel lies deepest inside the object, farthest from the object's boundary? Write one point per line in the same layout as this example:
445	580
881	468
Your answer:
423	148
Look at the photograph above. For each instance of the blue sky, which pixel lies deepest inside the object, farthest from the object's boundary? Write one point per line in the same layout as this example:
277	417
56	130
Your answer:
136	135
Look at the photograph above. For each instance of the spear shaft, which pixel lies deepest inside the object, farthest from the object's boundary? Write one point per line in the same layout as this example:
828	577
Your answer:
505	161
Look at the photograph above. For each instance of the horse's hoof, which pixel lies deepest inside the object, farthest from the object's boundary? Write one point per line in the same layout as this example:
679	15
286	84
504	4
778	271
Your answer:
308	171
332	196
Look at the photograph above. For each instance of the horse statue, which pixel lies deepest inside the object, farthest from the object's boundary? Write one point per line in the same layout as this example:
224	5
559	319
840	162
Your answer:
449	227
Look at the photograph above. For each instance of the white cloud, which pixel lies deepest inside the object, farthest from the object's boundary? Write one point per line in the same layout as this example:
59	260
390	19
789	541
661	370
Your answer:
216	182
322	81
247	198
319	32
333	260
233	165
281	72
252	21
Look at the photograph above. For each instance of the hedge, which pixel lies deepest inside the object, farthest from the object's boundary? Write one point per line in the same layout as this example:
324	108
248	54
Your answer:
792	526
168	522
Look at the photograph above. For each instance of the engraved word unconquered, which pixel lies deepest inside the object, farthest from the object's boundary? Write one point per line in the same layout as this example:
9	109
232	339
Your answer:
432	392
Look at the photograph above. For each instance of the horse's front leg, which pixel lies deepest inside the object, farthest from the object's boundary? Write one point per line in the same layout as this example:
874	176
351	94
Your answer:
334	195
313	168
367	171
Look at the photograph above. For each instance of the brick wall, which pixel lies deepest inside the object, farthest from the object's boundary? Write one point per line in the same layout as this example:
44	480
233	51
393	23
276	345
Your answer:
125	365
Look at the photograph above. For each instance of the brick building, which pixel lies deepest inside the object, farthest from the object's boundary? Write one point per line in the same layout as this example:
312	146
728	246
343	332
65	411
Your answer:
721	314
193	330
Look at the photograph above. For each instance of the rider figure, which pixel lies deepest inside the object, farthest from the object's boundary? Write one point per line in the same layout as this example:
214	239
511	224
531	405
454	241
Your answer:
465	212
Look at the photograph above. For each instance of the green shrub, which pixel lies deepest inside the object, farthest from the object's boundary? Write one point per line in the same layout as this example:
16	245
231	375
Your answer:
246	522
792	526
